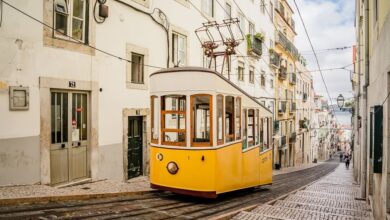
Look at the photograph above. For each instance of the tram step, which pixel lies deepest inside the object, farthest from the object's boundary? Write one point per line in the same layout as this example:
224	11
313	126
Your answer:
280	212
341	197
325	209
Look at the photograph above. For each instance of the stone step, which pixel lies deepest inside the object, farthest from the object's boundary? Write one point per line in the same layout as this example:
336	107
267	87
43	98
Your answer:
280	212
333	190
325	209
353	204
325	195
252	216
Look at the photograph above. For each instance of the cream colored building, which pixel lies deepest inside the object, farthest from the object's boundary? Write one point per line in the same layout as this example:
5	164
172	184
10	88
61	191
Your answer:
371	85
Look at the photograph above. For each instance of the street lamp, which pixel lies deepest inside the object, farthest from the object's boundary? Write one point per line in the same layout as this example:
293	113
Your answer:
340	101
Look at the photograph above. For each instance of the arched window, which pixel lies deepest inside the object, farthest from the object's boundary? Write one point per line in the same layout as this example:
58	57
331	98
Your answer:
173	120
201	120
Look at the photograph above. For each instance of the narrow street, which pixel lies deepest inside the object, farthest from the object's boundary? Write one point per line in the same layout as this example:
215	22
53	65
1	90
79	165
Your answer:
165	205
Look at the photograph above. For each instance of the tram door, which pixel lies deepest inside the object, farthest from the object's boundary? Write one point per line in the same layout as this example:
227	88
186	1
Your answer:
69	136
134	154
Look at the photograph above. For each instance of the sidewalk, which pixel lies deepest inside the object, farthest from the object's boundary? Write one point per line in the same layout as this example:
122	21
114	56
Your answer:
98	189
293	169
332	197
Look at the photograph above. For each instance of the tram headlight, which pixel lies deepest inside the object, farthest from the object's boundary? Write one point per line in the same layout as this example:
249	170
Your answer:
172	168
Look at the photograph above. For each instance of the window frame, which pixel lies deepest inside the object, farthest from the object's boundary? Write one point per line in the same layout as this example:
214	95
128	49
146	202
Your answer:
229	136
238	109
210	3
175	48
228	8
251	126
162	116
251	74
141	66
201	144
240	77
68	35
152	124
220	141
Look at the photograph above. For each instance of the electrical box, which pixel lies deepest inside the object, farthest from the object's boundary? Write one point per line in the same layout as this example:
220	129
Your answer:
377	138
18	98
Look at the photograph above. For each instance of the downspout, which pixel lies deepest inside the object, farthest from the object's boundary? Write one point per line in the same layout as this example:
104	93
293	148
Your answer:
164	24
365	96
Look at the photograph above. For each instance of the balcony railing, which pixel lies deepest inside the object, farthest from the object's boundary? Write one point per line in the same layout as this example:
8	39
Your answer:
304	97
255	45
287	45
303	124
293	78
274	59
293	137
282	107
282	73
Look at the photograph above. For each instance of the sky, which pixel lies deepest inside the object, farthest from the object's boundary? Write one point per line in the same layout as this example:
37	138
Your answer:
330	24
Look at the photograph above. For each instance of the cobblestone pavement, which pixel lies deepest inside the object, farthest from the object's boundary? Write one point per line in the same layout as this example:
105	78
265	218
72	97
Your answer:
104	186
332	197
166	205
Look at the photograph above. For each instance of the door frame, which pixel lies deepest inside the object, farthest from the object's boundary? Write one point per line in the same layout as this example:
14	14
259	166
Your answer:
46	86
138	119
146	138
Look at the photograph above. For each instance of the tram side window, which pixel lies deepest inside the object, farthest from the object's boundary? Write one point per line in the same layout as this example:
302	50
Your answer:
220	120
261	134
251	127
229	118
257	129
265	132
201	124
173	119
238	118
154	115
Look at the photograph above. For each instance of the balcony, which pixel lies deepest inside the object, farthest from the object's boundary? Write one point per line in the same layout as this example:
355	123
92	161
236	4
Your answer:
282	107
255	44
287	45
282	73
293	78
293	137
304	98
274	58
303	124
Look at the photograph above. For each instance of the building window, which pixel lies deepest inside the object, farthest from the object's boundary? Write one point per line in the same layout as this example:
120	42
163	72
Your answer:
220	120
262	6
154	118
262	79
251	29
208	7
376	10
137	68
251	74
271	83
69	18
228	9
201	125
241	19
173	120
229	118
179	49
240	71
238	118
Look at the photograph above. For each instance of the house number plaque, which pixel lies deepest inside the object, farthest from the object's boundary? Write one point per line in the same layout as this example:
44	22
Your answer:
72	84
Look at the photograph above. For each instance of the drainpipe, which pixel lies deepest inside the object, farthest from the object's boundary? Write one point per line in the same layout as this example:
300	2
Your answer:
364	164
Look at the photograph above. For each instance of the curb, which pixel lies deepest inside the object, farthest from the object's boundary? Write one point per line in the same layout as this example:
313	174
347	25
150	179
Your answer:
229	215
46	199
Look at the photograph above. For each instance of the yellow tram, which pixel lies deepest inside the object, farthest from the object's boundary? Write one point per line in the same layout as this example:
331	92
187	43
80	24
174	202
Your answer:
208	136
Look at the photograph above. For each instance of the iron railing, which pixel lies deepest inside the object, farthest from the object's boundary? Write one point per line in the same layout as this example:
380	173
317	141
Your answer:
293	137
287	45
282	73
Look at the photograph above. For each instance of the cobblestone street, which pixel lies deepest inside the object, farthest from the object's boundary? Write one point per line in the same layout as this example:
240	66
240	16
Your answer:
332	197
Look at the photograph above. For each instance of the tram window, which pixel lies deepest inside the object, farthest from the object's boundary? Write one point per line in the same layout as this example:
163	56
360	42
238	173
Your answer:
201	120
257	130
251	127
238	118
154	118
244	125
173	119
229	118
261	134
265	137
220	120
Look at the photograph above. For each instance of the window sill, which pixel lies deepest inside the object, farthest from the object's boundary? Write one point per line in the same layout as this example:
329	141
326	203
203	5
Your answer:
67	44
130	85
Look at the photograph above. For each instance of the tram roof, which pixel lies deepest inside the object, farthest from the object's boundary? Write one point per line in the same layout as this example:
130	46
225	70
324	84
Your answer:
206	70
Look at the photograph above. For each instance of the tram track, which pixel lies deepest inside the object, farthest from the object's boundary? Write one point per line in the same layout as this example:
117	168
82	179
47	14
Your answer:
166	205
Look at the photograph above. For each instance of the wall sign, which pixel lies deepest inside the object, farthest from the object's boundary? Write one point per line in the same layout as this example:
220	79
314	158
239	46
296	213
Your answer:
18	98
72	84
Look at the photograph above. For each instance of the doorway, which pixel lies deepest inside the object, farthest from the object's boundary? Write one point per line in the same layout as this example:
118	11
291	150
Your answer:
135	146
69	136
